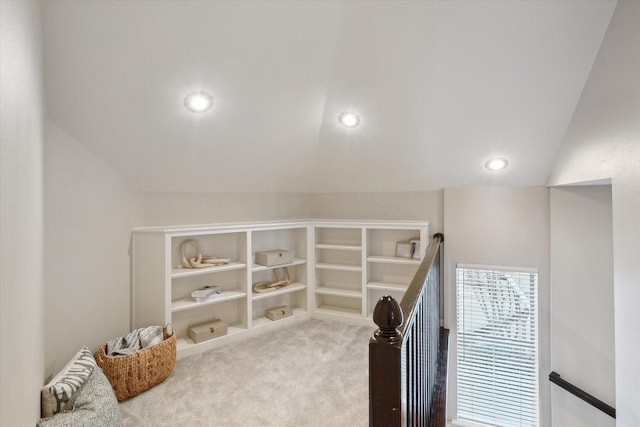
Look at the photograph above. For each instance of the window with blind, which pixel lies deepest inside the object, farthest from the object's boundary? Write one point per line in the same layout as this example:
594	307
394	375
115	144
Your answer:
497	350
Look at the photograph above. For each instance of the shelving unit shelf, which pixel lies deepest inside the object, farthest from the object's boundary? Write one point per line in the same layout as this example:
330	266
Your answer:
393	260
387	286
189	303
339	270
338	247
187	272
291	287
296	261
339	311
338	267
325	290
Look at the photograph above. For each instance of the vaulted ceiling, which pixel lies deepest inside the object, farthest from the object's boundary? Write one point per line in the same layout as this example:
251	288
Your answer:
440	86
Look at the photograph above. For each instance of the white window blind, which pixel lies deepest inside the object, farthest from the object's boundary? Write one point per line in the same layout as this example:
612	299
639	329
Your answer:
497	350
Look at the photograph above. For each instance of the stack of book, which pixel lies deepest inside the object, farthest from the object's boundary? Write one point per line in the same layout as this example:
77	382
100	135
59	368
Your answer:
206	293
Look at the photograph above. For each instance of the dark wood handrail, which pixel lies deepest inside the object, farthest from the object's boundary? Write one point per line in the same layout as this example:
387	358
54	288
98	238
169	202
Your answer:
412	294
554	377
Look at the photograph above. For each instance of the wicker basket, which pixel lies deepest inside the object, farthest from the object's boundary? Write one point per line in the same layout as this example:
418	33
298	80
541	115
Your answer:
134	373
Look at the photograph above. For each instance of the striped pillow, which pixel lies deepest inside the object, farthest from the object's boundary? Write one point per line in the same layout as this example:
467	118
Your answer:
61	392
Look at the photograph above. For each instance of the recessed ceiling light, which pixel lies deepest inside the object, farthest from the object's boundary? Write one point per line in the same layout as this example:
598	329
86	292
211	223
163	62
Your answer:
496	164
349	119
198	102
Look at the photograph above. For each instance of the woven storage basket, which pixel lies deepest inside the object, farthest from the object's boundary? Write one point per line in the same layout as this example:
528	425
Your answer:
134	373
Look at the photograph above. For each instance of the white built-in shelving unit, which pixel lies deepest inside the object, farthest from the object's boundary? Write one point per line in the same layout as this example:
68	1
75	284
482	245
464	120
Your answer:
339	271
355	265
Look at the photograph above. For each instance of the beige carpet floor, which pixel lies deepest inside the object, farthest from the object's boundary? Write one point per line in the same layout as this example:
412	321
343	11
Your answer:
314	373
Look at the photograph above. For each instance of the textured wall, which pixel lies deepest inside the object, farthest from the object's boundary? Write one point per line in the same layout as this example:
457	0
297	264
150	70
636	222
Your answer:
505	227
204	208
89	213
603	141
21	140
582	327
163	208
411	205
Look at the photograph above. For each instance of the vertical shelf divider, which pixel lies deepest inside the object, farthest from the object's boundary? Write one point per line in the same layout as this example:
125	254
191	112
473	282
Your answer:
168	282
311	270
364	276
249	279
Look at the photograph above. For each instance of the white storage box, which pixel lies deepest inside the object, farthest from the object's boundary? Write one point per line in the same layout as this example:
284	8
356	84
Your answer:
207	331
277	313
275	257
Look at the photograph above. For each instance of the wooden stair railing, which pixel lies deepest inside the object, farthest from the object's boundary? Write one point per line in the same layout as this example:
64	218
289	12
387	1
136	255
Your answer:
554	377
408	352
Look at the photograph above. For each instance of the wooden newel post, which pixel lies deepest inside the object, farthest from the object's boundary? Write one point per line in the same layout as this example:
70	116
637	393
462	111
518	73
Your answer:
385	365
387	315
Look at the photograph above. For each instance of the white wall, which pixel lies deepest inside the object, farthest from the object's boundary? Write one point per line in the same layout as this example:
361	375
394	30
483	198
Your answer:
21	286
626	271
582	328
505	227
411	205
89	213
203	208
603	141
162	208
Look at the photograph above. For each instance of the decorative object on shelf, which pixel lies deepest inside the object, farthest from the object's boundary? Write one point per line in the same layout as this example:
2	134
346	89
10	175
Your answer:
206	293
130	375
410	249
274	257
277	313
199	261
267	286
403	250
208	330
415	247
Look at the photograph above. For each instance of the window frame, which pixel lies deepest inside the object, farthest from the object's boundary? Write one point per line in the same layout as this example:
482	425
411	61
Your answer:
534	317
